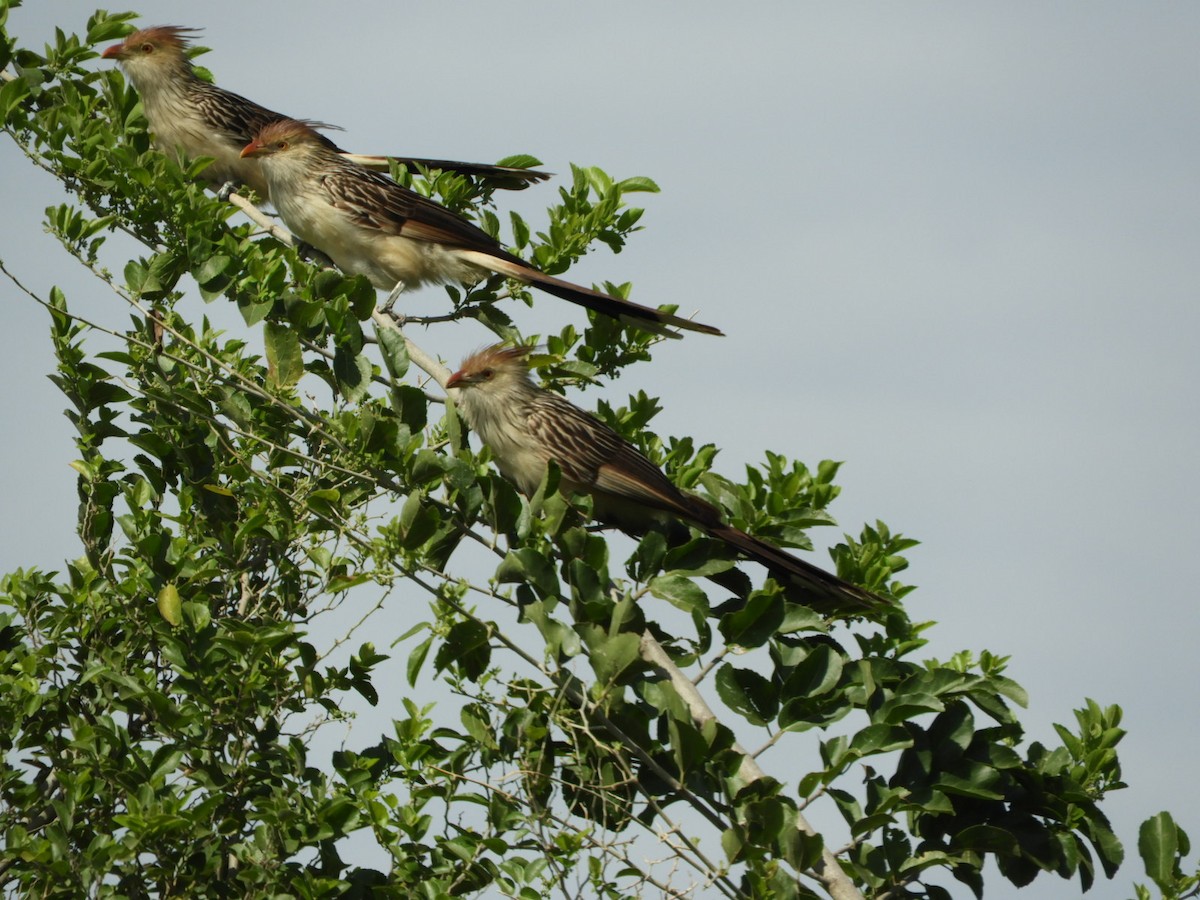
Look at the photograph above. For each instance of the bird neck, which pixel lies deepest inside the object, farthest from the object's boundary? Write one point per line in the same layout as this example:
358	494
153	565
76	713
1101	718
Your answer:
164	87
288	175
495	416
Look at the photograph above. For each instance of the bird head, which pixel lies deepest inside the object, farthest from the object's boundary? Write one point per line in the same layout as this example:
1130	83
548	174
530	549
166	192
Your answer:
161	46
492	368
490	387
284	136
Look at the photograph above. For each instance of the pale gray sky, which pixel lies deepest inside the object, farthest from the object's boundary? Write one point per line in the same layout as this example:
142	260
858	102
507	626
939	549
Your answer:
952	245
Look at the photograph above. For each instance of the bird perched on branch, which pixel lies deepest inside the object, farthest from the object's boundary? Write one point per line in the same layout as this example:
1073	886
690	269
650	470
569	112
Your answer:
198	118
527	428
370	225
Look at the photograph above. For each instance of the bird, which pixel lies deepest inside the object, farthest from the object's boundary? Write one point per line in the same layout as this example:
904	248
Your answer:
527	428
197	118
370	225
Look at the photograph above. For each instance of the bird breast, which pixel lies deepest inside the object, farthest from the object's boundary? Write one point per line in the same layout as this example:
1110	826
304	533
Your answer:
500	425
176	125
385	258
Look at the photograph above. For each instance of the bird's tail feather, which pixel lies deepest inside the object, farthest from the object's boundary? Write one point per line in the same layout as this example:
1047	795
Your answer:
828	593
625	310
508	177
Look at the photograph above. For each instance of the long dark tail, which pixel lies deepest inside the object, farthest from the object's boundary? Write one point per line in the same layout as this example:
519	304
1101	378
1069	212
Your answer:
625	310
508	178
824	592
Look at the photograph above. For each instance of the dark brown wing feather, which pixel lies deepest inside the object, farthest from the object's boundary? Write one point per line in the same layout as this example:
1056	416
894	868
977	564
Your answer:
236	116
373	200
598	459
503	177
240	119
822	590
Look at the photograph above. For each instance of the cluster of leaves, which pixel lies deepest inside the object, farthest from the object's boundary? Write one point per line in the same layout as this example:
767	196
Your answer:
161	698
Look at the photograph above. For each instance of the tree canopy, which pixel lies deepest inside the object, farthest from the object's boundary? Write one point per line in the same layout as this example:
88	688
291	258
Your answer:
577	715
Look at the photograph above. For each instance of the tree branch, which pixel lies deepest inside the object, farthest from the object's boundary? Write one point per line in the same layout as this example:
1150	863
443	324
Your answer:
827	869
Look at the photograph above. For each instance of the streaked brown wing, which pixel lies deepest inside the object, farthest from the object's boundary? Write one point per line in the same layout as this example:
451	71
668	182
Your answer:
596	457
229	114
373	200
232	115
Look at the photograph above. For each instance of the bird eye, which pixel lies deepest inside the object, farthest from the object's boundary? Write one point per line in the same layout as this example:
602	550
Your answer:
147	48
487	374
281	145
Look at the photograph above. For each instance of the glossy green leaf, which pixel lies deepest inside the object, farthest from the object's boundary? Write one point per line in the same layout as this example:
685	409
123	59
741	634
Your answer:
747	693
285	361
353	374
467	647
394	351
610	656
170	606
755	622
526	565
680	592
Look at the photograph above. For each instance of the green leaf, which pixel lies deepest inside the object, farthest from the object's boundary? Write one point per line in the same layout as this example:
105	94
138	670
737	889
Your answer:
561	640
880	739
416	659
212	269
285	362
520	161
816	674
466	647
1158	845
733	840
978	785
610	656
353	374
1011	690
647	557
901	708
527	565
748	694
755	623
520	231
989	839
170	607
394	351
681	592
1108	845
638	183
12	93
166	760
102	26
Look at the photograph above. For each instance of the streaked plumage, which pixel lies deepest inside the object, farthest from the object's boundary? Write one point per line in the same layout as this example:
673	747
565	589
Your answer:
370	225
200	119
527	428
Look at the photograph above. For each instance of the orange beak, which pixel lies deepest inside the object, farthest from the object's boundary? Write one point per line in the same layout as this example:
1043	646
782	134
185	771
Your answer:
454	380
251	149
116	51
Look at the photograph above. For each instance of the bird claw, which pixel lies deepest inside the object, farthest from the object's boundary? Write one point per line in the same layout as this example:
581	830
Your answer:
399	318
226	189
